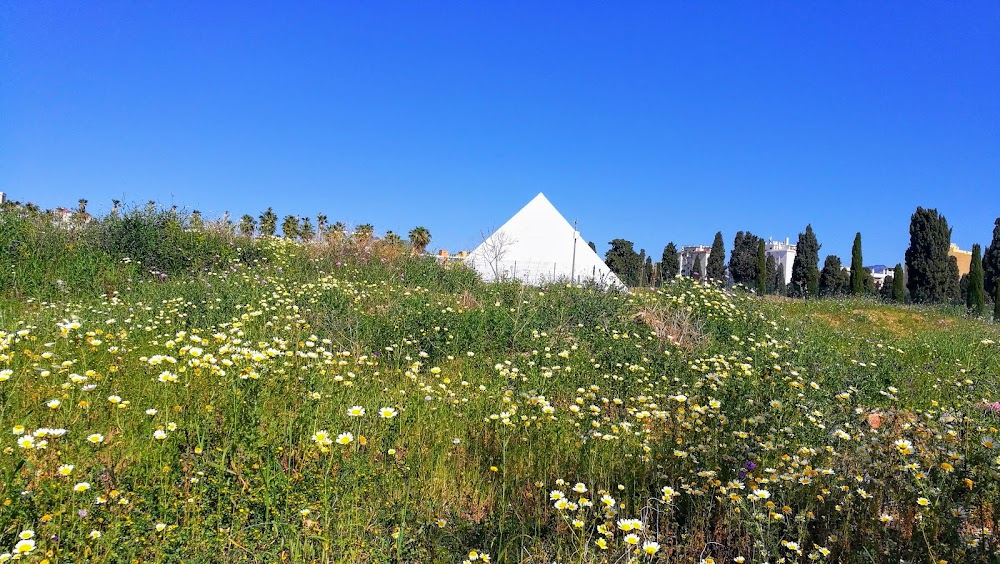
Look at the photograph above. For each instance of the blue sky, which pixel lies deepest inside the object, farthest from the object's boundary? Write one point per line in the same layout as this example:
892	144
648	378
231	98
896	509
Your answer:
654	122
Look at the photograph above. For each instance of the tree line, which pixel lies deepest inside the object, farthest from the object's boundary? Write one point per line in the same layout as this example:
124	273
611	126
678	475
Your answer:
928	274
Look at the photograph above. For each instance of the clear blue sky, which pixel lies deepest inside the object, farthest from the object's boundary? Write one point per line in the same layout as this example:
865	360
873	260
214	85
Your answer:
654	122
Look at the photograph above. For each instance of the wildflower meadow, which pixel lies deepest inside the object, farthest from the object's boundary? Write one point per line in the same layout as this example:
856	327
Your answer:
174	393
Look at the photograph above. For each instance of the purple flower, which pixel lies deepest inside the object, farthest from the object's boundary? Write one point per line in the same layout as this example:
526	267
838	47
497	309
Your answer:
82	513
749	465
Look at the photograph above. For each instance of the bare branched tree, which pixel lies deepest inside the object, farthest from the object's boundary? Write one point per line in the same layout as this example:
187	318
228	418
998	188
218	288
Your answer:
495	248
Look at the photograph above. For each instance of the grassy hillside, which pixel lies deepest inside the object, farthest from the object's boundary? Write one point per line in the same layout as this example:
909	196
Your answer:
169	394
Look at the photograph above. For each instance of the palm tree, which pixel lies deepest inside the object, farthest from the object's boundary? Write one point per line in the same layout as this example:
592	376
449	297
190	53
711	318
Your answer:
420	237
392	239
290	227
306	231
364	232
268	223
321	223
114	207
336	232
83	206
247	225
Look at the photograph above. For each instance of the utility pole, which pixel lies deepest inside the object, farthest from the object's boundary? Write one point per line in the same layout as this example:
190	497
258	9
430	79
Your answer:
572	268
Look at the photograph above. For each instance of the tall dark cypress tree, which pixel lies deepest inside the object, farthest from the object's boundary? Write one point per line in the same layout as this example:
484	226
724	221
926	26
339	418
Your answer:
991	262
761	268
642	275
771	270
805	270
833	280
780	288
928	273
716	267
857	267
953	287
734	259
898	284
670	263
996	305
976	300
885	292
743	259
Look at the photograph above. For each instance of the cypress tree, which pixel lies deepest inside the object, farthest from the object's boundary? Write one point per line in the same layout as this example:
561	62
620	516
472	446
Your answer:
953	287
996	305
670	264
832	280
779	280
641	273
805	271
885	292
696	267
857	267
991	262
898	284
761	269
771	270
734	259
976	300
716	267
928	272
648	271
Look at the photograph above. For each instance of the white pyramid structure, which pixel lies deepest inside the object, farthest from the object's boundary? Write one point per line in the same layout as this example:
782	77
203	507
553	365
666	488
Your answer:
537	246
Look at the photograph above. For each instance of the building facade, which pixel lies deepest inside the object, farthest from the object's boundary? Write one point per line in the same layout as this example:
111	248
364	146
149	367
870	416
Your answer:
784	255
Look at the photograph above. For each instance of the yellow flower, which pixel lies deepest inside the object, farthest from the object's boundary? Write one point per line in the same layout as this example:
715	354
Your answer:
345	438
96	438
387	412
632	539
66	469
81	487
650	547
356	411
923	501
601	543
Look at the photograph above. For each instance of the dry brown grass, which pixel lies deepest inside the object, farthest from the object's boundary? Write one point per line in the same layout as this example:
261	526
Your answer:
674	325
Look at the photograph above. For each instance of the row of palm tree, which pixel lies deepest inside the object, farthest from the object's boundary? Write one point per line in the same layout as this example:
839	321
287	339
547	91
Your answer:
294	227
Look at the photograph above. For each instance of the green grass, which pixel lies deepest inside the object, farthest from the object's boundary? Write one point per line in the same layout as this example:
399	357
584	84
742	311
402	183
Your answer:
503	395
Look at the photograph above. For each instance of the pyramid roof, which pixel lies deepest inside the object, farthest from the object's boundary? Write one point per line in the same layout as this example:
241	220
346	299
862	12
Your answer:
537	245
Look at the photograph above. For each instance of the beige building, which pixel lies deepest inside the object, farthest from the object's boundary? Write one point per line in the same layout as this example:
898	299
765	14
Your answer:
964	259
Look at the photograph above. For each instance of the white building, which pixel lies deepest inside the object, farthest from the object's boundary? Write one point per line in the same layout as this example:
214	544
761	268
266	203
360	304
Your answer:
784	255
879	273
690	254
